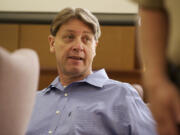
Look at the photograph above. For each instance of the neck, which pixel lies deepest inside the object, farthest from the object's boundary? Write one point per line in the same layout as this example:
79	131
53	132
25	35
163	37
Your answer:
68	79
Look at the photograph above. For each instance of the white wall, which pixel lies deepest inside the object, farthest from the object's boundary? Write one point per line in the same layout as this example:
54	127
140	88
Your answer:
100	6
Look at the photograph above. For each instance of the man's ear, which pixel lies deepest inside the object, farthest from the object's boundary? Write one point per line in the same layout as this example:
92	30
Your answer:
96	44
95	48
51	40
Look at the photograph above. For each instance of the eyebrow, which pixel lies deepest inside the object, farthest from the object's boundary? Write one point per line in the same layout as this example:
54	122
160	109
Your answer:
72	31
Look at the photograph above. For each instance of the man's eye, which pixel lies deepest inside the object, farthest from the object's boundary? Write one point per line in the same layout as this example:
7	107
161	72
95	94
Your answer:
68	37
87	39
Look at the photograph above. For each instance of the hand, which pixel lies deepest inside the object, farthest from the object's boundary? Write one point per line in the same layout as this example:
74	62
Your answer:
165	106
139	89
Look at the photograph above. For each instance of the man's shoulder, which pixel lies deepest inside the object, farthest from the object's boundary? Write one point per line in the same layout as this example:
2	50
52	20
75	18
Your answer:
117	83
40	92
124	87
54	82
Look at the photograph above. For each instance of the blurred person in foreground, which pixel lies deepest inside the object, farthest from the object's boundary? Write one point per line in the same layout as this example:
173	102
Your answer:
19	74
159	45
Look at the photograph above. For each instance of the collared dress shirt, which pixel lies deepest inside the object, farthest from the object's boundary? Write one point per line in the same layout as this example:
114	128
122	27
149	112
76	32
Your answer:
96	105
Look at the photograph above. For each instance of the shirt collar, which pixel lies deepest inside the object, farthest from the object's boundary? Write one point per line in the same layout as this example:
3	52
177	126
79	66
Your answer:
54	85
97	78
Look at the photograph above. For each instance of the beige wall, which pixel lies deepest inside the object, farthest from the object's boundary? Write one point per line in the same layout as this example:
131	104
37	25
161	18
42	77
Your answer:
100	6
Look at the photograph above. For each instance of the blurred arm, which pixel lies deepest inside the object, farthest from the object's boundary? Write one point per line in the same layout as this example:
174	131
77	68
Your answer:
153	36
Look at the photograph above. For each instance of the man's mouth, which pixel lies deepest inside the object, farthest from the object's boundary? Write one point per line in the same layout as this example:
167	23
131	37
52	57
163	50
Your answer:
76	57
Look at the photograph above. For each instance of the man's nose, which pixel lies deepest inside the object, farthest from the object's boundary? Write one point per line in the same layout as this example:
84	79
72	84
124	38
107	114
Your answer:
78	45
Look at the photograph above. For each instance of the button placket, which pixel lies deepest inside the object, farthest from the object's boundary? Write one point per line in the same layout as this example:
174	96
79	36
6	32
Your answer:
57	112
65	94
49	132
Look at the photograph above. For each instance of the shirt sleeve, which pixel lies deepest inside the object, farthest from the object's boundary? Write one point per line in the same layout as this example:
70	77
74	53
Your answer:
153	4
142	121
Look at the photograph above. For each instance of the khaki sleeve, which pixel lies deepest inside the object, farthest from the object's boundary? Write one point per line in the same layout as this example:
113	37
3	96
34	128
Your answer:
156	4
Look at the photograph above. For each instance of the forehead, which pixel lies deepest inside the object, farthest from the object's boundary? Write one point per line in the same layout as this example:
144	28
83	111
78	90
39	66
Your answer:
75	25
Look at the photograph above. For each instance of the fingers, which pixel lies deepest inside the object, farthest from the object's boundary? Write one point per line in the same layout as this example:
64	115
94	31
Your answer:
177	113
139	90
164	114
166	125
177	110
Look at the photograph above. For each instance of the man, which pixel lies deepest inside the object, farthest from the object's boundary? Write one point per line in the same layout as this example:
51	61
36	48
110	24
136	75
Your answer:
80	101
19	74
159	40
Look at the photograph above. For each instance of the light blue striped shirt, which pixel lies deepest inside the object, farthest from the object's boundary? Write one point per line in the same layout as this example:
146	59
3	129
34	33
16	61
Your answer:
96	105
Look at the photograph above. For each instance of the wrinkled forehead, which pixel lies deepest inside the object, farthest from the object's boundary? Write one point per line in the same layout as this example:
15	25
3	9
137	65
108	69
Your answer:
76	26
78	32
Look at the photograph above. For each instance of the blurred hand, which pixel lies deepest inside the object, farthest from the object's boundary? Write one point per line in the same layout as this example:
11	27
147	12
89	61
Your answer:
165	106
139	89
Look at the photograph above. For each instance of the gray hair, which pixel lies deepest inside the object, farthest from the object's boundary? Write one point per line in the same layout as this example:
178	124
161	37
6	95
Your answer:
82	14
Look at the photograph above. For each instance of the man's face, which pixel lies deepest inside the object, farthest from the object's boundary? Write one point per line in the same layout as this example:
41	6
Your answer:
75	47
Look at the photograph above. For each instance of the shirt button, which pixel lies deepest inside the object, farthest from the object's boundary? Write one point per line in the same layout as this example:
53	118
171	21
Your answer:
50	132
57	112
65	94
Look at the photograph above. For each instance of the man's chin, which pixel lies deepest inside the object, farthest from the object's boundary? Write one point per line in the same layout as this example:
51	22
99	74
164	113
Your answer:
75	72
